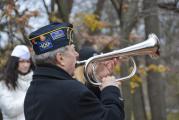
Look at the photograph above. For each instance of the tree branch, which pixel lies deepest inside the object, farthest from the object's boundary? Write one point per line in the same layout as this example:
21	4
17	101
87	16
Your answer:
117	6
46	7
174	6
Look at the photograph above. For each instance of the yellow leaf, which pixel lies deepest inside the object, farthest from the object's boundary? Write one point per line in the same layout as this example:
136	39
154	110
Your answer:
117	69
153	68
136	79
162	68
92	22
142	71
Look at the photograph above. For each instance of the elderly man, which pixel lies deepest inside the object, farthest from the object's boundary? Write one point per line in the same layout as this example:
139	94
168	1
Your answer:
54	94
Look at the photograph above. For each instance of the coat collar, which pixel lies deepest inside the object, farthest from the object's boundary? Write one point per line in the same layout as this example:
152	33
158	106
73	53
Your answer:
49	71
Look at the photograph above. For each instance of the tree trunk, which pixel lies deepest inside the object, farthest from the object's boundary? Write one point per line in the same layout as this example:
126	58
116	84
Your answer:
0	115
155	83
138	104
126	94
99	7
64	9
138	100
127	24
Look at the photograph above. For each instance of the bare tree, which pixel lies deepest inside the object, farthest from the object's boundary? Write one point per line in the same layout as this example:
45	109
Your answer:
128	15
170	5
155	83
99	7
61	14
15	22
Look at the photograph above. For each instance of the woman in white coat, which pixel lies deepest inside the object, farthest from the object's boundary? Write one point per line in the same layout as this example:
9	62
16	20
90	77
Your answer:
13	87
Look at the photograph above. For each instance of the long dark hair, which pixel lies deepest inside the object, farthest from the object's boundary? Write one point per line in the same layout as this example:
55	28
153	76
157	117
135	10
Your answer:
11	72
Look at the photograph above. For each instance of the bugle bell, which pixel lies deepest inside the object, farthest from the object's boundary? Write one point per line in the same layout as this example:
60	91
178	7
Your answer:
148	47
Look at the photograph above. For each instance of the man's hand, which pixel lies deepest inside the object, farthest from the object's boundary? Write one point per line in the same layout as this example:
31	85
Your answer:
109	81
104	69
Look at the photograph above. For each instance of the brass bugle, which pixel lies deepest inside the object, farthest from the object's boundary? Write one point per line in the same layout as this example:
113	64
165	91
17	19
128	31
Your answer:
148	47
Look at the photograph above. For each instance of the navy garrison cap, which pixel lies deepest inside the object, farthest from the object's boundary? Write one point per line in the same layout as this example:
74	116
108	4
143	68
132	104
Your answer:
51	37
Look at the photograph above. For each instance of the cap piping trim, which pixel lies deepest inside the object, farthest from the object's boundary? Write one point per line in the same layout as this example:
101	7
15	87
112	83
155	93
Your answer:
51	32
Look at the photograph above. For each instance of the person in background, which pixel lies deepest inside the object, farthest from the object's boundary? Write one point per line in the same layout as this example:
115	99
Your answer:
84	54
54	94
16	80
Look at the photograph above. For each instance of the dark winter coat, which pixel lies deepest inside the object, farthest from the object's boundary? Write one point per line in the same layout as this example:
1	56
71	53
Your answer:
55	95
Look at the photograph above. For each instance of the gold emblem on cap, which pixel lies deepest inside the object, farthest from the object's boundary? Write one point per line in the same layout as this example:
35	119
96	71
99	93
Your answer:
42	38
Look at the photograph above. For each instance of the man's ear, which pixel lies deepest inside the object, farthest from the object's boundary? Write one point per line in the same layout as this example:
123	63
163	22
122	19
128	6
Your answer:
60	59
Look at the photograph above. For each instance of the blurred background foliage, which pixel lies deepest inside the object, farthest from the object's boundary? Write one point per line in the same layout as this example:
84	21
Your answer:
107	25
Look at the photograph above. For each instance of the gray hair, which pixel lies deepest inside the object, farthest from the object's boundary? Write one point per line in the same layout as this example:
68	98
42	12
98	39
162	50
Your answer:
49	57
